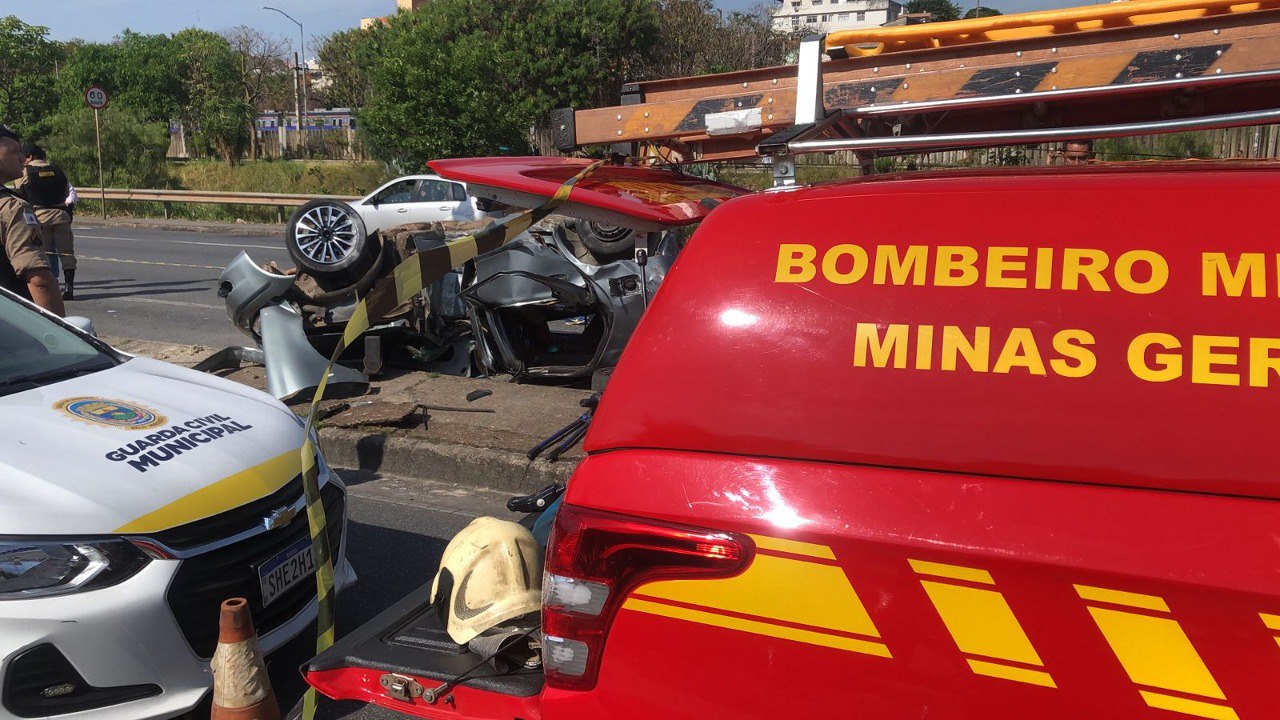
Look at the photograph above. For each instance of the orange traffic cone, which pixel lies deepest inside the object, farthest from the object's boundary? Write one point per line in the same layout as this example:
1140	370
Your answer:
241	688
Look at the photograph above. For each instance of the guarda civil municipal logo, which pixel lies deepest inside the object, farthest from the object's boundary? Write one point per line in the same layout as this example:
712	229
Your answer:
112	413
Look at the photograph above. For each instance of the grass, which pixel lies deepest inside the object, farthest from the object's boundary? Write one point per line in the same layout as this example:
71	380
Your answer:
283	176
291	177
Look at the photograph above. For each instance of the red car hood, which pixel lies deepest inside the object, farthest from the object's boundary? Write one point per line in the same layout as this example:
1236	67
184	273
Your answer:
647	199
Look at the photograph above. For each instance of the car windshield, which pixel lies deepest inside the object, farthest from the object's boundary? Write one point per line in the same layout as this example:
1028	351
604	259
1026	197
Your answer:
35	350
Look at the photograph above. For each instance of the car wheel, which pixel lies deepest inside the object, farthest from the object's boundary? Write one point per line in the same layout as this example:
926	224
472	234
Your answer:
606	242
327	238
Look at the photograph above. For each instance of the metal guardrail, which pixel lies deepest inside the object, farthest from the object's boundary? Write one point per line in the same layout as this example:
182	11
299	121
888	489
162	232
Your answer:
208	197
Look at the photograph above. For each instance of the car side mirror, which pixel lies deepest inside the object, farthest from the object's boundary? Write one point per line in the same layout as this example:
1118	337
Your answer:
81	323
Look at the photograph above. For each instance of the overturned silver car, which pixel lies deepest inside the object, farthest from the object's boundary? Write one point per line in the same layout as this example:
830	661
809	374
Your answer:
558	303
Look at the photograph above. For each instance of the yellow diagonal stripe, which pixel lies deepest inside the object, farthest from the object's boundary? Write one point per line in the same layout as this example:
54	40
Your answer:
1271	621
356	326
955	572
226	494
865	647
408	279
1119	597
1188	707
981	622
462	249
794	547
826	600
1008	672
1156	652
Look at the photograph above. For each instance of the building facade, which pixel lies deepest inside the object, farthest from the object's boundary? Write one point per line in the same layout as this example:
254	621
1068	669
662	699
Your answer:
828	15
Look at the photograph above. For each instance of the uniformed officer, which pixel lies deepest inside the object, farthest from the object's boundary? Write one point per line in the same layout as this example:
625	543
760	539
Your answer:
24	268
45	186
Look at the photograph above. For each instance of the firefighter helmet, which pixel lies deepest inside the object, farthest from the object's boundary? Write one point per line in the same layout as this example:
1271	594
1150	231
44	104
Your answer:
490	572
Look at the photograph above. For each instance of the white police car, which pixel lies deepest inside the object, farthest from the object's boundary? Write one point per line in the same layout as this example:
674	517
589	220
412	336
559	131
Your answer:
137	496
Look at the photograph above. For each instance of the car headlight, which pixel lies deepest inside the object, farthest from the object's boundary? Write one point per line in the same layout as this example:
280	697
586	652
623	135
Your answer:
40	568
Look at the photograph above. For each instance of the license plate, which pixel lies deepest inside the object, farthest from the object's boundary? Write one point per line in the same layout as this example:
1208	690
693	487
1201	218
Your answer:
288	568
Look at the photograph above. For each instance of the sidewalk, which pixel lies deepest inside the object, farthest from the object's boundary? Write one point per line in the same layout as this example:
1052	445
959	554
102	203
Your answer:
382	430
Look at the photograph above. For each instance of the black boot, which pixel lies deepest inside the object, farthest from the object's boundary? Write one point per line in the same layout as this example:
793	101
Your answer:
70	292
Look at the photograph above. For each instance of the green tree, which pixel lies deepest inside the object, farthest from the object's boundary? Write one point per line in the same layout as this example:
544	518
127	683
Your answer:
133	148
567	53
194	77
344	59
471	77
747	40
689	32
27	66
143	72
697	38
981	11
215	107
942	10
265	75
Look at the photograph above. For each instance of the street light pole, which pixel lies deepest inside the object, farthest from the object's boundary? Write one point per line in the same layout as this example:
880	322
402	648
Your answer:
302	77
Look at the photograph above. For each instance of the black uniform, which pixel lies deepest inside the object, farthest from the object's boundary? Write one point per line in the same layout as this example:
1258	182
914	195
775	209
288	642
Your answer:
45	186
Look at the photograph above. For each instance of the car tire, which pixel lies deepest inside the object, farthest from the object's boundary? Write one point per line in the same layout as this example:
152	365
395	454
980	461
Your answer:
606	242
327	239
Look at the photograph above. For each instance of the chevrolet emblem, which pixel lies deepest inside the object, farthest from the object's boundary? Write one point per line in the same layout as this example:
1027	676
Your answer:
279	517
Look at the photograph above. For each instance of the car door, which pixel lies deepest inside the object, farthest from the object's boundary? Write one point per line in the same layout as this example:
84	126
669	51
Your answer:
390	205
440	201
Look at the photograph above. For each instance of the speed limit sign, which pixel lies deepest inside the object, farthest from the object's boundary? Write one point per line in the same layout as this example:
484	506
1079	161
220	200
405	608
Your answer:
95	97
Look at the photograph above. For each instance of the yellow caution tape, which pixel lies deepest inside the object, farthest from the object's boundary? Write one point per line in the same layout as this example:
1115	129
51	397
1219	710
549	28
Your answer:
407	280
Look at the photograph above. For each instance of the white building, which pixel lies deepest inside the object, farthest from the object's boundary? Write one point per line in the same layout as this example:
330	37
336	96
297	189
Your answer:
828	15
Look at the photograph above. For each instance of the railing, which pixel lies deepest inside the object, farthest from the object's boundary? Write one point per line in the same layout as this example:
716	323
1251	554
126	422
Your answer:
208	197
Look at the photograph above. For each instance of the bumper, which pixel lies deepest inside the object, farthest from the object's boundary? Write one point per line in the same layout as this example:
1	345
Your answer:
127	635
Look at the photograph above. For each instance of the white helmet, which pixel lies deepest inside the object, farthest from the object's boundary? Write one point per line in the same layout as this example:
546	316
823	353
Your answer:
492	572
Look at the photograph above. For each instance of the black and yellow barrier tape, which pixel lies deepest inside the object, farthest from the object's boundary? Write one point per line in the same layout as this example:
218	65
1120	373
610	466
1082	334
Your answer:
407	280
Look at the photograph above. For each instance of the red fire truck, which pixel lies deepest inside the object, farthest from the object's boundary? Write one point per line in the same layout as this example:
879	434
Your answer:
985	443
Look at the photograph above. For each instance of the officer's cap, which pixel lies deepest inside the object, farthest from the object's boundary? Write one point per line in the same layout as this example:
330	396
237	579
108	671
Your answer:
6	132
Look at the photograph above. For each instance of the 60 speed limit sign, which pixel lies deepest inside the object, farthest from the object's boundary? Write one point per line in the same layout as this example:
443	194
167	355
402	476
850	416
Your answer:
96	98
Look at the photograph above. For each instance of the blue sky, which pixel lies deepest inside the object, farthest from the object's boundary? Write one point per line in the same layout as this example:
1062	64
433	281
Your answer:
100	20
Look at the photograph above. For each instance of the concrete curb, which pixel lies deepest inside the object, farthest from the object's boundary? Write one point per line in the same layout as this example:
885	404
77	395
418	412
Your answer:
407	457
460	448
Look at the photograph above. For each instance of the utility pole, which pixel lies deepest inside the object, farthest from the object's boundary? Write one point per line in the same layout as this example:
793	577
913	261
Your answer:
297	103
300	78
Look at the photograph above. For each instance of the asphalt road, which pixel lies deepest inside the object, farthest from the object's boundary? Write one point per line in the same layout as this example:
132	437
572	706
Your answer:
397	530
161	285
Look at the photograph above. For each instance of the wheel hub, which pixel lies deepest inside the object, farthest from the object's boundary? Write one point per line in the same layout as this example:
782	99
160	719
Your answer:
325	235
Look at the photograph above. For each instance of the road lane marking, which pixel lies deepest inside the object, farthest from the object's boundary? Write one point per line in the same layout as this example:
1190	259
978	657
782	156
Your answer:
150	262
181	242
158	301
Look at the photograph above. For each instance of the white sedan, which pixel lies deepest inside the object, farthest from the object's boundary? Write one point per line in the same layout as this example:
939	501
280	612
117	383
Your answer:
330	236
137	496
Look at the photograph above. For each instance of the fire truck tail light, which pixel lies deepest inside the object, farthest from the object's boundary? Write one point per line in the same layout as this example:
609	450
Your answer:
571	595
565	657
596	559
